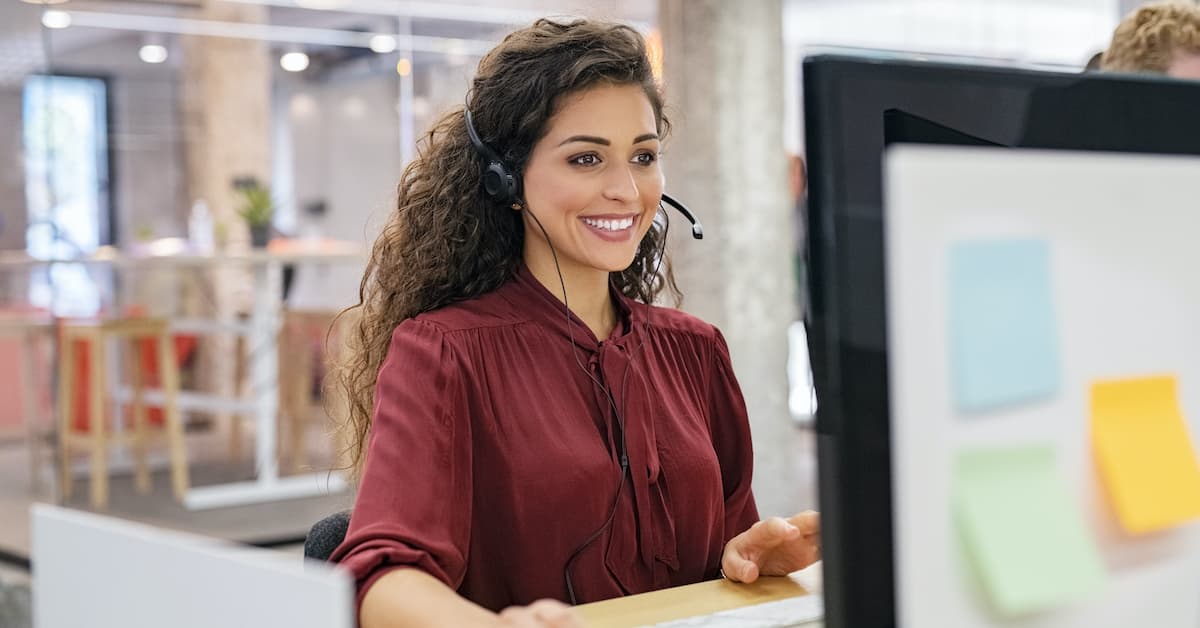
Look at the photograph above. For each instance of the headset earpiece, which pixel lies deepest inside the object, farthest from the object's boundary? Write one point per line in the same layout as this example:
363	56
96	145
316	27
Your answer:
498	183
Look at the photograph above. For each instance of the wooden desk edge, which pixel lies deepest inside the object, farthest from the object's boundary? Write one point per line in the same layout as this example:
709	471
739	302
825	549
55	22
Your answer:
701	598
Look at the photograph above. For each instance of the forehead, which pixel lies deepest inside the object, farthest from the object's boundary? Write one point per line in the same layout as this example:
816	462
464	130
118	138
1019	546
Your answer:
609	111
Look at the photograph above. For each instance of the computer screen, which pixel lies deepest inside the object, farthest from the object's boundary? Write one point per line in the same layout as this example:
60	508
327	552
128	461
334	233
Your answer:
94	570
855	106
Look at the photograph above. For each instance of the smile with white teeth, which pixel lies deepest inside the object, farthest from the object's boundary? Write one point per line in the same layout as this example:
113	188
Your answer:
610	225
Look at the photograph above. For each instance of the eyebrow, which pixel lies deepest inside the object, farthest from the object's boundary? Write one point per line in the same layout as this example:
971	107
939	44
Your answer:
592	139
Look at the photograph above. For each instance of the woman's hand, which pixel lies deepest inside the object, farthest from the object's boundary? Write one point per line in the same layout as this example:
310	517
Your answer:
540	614
773	547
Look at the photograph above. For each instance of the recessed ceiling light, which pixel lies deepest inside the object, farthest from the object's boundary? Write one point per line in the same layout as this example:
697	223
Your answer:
153	53
383	43
294	61
56	19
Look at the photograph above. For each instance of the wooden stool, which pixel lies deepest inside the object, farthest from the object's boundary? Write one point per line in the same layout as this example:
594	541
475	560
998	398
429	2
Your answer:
97	438
297	368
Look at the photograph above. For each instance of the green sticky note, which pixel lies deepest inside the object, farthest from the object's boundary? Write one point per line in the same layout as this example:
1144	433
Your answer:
1024	533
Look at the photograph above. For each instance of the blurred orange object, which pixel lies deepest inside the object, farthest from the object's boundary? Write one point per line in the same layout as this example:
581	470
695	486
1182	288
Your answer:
32	402
185	345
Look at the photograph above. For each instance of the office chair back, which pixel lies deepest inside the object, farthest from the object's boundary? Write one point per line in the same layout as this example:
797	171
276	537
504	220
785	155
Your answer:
326	535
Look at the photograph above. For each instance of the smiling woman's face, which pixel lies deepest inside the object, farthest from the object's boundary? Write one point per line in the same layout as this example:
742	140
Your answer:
593	181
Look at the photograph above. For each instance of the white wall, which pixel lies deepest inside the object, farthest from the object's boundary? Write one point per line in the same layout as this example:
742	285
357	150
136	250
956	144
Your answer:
1053	32
345	151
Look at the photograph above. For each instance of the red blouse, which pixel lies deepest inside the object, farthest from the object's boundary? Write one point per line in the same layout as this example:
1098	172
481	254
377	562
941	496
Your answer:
493	455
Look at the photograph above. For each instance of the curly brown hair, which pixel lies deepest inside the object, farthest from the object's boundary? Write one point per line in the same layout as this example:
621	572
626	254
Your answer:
1148	39
447	241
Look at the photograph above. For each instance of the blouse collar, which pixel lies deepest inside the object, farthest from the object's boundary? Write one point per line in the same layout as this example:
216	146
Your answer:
547	309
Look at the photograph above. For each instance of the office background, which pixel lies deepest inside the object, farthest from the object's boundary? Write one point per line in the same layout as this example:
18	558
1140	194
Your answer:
128	124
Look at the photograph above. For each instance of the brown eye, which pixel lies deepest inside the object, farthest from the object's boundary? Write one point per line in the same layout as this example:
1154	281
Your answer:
588	159
645	159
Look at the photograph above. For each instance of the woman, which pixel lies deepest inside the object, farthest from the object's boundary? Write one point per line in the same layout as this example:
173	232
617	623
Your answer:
534	431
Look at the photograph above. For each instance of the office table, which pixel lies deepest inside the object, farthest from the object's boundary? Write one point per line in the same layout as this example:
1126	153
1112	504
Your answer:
687	601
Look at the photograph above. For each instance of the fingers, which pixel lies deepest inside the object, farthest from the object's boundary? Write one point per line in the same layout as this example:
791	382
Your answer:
809	522
773	546
517	617
743	553
738	568
540	614
555	614
771	532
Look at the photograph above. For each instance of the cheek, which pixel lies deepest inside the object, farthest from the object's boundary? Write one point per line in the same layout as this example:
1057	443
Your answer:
559	195
650	187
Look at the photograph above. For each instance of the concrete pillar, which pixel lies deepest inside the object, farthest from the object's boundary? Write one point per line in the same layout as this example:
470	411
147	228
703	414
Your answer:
13	218
226	112
723	75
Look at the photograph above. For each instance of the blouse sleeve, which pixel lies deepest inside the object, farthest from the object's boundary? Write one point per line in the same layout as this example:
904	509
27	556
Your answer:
413	507
730	429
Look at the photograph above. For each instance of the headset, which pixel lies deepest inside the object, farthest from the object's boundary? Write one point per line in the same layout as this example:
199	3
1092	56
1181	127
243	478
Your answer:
505	188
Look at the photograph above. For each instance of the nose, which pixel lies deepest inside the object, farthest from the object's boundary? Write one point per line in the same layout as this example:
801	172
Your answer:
621	185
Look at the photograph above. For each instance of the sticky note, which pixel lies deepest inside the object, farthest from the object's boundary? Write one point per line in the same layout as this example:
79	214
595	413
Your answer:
1003	341
1023	532
1144	454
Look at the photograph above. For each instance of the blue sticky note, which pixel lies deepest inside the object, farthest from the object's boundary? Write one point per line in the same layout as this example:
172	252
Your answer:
1003	342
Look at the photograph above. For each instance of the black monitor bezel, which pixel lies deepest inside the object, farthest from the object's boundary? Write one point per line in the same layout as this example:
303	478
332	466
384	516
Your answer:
845	275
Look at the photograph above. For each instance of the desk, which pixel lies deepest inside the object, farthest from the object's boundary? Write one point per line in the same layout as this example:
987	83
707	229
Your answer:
263	334
687	601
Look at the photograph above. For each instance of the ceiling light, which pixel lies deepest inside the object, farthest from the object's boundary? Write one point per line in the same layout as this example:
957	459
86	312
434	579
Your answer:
153	53
56	19
294	61
404	66
383	43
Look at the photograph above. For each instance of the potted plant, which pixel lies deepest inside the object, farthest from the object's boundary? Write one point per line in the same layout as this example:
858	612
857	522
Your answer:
257	210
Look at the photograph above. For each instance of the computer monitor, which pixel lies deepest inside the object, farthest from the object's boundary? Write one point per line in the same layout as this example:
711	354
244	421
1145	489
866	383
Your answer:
854	106
92	570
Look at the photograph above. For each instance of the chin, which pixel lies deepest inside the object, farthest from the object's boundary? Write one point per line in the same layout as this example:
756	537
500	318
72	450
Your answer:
615	265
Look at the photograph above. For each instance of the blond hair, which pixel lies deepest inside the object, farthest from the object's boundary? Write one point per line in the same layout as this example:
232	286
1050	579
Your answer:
1149	39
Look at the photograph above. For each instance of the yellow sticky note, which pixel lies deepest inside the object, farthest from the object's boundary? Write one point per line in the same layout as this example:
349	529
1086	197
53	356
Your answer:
1144	453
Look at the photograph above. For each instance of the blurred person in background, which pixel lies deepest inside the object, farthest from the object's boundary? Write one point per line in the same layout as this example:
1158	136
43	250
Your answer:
1159	38
530	429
